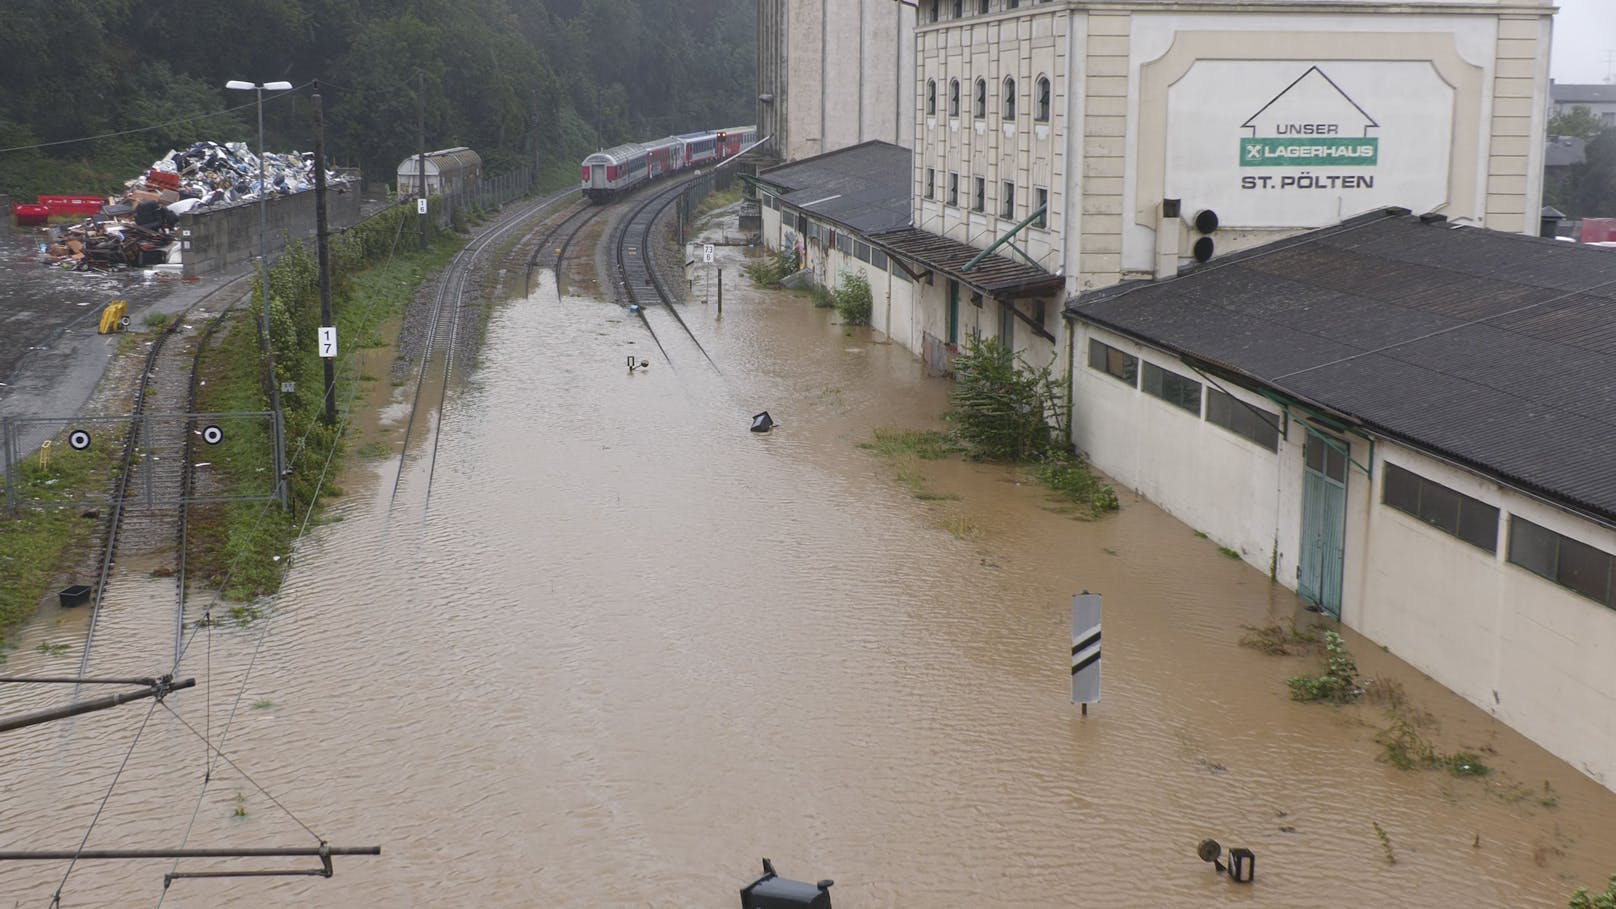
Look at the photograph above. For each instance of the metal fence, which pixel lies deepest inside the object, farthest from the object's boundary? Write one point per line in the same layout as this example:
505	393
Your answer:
489	193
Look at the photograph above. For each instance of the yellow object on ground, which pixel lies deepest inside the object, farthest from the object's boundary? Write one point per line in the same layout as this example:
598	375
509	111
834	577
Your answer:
113	316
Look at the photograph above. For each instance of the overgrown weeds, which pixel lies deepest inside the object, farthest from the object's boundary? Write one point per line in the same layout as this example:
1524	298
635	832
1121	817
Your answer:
1070	478
769	271
1582	899
1338	684
927	445
1280	640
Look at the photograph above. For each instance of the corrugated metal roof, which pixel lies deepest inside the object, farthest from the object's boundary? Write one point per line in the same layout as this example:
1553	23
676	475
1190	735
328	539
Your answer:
863	187
1587	92
1492	349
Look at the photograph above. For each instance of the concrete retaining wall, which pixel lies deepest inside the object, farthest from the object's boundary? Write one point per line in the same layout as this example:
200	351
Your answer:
222	238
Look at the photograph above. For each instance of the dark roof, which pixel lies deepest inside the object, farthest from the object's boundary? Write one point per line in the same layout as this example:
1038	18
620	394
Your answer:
864	187
1588	93
996	275
1491	349
1564	151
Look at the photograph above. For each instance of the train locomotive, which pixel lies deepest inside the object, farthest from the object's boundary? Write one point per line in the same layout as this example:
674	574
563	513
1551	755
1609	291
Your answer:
614	171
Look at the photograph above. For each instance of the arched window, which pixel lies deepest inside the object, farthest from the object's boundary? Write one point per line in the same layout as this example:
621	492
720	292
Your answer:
980	105
1041	114
1009	109
931	97
953	97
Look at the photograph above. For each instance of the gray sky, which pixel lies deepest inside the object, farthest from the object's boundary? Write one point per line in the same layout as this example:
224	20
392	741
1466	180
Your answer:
1584	33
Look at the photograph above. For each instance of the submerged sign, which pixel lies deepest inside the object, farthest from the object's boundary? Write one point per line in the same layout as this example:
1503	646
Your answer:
1312	123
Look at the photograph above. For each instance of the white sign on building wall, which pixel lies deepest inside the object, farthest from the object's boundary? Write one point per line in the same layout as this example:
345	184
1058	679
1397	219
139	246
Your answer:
1276	144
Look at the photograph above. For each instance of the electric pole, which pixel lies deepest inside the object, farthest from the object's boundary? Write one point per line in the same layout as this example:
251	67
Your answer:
420	161
322	241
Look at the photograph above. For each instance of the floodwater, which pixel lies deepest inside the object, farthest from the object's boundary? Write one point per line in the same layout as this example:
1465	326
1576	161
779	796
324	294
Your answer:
631	648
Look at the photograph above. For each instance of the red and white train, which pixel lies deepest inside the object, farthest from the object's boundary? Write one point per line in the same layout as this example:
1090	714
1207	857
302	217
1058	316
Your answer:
606	174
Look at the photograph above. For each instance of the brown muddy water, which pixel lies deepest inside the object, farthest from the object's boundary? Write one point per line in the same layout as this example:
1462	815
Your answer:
631	648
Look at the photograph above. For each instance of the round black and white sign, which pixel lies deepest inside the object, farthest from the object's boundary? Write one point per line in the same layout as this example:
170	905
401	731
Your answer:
78	439
212	435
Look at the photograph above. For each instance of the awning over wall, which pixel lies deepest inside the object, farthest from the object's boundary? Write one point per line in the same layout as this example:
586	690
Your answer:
994	276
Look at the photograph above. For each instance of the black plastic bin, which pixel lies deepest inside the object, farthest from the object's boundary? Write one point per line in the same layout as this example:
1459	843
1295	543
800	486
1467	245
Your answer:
77	595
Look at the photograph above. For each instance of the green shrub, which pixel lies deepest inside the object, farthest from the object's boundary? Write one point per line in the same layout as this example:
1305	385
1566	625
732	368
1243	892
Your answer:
1070	477
853	298
1001	407
1583	900
768	272
1338	684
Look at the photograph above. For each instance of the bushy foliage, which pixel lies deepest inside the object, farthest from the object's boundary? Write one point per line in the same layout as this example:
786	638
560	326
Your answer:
1002	408
768	272
1583	900
1338	684
853	298
1071	478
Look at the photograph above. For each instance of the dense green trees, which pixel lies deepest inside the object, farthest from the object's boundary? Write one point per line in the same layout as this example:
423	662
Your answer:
517	80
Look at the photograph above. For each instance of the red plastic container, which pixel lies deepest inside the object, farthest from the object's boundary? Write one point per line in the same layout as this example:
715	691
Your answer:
30	215
72	205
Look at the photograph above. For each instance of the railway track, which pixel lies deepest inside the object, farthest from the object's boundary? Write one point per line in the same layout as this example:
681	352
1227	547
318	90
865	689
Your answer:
158	454
551	251
444	330
640	280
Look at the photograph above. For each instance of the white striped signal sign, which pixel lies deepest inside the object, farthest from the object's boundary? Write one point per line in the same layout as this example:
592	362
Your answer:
1085	648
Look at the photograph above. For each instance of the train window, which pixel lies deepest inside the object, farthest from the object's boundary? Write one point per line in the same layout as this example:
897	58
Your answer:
931	97
1041	111
1009	109
953	97
980	105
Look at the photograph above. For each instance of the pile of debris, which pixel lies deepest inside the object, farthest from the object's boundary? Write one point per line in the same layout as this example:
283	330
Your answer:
134	229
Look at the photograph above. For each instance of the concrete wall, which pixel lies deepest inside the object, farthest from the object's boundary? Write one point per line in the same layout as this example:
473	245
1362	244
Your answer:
222	238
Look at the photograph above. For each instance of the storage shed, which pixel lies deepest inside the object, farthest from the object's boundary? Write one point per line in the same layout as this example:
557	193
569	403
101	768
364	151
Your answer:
450	170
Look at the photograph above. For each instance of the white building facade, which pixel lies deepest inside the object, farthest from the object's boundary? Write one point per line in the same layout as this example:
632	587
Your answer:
1144	128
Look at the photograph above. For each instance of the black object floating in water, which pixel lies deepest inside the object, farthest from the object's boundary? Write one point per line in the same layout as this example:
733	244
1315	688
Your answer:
762	422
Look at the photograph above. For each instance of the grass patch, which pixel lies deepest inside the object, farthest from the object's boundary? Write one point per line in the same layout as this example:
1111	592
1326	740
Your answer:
55	524
900	443
962	527
770	271
1279	640
263	704
157	321
375	451
53	650
1228	553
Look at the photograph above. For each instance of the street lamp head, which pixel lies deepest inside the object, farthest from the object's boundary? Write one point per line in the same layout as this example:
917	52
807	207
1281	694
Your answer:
277	86
251	86
237	83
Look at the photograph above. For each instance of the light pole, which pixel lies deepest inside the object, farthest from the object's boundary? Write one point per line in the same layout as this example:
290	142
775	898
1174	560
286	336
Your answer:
263	272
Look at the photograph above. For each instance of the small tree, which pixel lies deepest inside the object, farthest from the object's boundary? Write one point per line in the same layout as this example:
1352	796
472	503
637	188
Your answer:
1004	409
1578	121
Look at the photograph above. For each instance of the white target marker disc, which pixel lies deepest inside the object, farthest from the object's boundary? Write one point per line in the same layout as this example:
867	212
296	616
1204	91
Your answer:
212	435
78	439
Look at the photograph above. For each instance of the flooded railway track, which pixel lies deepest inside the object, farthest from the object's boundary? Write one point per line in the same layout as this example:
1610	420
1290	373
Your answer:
634	242
449	304
161	451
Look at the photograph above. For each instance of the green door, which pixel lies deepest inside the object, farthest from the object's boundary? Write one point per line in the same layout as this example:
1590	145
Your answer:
953	312
1324	521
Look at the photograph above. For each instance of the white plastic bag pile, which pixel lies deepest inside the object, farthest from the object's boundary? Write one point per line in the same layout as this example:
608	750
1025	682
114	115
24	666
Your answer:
209	173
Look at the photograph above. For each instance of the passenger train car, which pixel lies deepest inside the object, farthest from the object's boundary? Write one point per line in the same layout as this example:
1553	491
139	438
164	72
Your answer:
609	173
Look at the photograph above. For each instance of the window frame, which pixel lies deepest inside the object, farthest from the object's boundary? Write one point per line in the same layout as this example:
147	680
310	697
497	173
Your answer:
931	97
1172	387
1041	100
953	188
1557	570
1118	364
979	99
979	195
1040	199
953	98
931	183
1007	200
1008	101
1235	416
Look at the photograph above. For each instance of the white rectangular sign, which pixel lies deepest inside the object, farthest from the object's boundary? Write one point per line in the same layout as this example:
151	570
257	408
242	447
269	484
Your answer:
420	206
328	340
707	253
1085	648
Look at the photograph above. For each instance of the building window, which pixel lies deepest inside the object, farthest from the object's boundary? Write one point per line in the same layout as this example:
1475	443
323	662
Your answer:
1177	390
959	8
1009	109
979	105
982	6
1241	419
1469	519
1040	204
953	97
953	188
1012	4
931	97
931	183
979	200
1007	199
1113	362
936	6
1041	111
1567	562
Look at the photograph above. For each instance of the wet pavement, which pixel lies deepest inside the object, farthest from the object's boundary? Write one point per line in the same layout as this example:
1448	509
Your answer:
51	353
632	648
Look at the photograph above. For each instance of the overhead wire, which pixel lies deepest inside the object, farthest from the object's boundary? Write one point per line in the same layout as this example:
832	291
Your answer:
56	899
